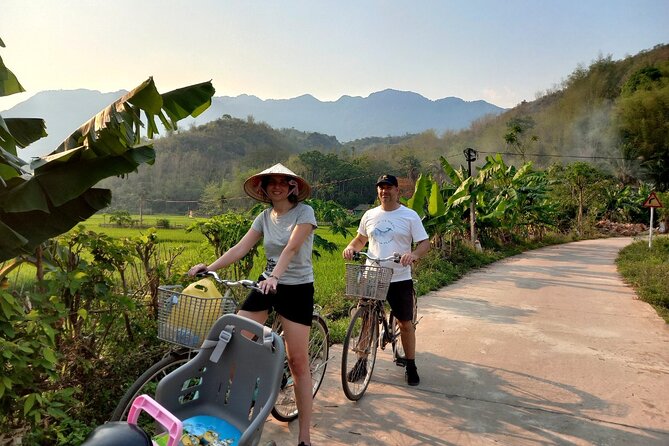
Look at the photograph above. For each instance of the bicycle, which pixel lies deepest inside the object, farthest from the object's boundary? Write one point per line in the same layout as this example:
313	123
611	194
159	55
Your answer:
186	342
369	284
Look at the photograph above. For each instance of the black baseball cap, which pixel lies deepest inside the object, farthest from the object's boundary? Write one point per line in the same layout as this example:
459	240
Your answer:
387	179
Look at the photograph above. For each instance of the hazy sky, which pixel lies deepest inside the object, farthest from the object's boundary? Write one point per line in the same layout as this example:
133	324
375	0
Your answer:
502	51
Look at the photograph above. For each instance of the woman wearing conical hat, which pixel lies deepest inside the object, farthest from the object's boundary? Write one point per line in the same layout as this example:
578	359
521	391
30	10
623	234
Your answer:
287	231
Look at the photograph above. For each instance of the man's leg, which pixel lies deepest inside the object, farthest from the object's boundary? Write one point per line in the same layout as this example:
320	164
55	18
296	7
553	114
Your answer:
408	335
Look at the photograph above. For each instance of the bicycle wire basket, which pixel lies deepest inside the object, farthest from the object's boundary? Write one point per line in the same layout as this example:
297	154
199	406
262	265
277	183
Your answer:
184	319
367	281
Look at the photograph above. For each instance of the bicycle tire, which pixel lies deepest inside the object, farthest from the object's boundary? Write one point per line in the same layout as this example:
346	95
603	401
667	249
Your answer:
285	408
399	355
360	345
147	382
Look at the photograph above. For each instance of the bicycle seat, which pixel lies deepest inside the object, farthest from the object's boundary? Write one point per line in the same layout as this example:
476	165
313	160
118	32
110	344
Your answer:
231	385
117	433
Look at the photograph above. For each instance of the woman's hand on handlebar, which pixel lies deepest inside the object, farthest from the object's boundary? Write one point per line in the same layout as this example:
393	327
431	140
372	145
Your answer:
199	268
268	286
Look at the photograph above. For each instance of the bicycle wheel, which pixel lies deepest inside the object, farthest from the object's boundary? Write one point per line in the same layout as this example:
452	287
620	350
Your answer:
399	356
285	408
148	381
359	352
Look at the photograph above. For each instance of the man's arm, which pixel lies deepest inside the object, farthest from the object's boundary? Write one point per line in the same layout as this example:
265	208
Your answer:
419	251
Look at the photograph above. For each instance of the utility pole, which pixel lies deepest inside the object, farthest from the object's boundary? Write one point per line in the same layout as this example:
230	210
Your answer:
470	155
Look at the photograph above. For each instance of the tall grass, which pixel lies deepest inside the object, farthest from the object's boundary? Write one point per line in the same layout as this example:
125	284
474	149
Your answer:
647	271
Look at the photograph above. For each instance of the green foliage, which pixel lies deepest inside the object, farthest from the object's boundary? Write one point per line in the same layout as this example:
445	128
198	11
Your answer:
163	223
517	136
29	391
348	182
337	220
223	232
643	113
647	269
509	201
121	218
578	186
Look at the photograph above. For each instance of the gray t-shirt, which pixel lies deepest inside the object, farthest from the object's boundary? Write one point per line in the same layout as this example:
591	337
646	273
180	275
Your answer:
276	232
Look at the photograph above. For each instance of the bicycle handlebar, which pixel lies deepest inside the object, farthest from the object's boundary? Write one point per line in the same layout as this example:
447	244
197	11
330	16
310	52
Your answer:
395	257
230	283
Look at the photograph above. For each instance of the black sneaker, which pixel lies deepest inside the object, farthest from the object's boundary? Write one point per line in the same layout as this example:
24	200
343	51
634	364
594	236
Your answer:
411	376
358	372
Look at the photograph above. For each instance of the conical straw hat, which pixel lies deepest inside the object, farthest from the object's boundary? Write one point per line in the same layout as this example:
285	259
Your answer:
253	185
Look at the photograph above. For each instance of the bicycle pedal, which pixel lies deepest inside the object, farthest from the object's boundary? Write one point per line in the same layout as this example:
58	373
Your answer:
401	362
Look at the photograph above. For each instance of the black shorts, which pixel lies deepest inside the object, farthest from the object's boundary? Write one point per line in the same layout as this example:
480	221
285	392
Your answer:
400	298
294	302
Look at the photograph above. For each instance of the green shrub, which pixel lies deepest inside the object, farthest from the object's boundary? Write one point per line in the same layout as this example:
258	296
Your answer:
30	391
163	223
647	270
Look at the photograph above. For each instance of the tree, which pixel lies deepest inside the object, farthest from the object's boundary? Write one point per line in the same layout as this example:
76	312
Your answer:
581	184
60	191
516	135
411	167
643	114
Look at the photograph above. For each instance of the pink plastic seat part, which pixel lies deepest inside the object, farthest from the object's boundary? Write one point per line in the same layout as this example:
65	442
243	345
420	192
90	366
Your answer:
171	423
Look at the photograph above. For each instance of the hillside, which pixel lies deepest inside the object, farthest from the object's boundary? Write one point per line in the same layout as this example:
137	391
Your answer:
218	155
612	113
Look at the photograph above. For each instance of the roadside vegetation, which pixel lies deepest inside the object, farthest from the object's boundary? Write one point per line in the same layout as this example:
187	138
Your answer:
647	271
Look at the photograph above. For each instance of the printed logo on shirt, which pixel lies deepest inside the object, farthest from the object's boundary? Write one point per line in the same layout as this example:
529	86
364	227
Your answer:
383	232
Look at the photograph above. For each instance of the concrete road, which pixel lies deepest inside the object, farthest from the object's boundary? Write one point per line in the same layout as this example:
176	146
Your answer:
549	347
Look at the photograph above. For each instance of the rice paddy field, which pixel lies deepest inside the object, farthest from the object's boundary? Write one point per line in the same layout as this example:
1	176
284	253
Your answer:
328	267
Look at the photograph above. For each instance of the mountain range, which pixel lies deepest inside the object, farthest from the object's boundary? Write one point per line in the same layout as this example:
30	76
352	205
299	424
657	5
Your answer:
384	113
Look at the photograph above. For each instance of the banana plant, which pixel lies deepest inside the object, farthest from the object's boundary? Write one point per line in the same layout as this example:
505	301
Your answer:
58	191
515	199
440	216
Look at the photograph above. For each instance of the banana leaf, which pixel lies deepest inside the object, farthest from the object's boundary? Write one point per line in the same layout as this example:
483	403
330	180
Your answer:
59	194
420	195
435	205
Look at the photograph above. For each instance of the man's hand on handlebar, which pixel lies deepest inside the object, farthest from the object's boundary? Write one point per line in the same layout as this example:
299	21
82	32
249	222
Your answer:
349	253
408	258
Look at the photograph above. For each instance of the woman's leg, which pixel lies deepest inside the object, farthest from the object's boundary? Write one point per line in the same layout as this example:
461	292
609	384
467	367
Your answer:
296	337
258	316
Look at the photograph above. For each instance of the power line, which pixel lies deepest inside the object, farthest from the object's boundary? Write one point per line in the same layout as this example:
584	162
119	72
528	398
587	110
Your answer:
557	156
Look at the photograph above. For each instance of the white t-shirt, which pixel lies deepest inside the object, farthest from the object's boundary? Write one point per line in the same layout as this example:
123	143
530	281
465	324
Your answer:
276	231
392	231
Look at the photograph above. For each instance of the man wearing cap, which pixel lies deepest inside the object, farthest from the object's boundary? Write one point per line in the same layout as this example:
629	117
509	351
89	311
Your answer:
390	228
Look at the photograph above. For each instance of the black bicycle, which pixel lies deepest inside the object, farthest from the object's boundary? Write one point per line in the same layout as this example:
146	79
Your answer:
184	320
369	327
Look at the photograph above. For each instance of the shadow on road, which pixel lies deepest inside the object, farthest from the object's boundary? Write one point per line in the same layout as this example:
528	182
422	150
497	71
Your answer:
462	403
